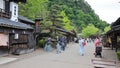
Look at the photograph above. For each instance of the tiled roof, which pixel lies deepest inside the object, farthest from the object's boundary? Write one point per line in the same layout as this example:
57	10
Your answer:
9	23
23	1
63	30
25	19
117	22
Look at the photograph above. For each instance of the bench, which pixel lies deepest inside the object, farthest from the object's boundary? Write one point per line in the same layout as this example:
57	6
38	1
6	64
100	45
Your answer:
99	63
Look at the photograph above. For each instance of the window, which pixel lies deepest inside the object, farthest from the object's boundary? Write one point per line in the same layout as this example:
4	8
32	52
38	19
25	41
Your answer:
16	36
14	10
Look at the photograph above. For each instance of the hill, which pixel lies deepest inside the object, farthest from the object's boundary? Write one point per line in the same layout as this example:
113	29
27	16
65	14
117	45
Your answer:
71	14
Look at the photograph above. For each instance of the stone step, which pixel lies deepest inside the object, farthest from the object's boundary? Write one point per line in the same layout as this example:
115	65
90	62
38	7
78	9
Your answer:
4	60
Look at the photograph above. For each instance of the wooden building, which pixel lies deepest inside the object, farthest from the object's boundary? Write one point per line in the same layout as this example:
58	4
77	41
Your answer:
16	32
68	34
114	35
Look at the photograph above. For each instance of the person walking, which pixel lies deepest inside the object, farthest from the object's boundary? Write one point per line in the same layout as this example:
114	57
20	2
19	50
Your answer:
82	43
98	47
48	46
58	48
75	39
62	43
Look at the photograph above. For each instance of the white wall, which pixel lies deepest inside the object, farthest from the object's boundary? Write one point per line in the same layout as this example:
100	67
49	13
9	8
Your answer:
14	16
2	4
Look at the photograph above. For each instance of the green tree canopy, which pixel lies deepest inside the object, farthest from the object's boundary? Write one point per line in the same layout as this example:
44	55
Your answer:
107	28
90	30
55	16
67	22
78	13
32	9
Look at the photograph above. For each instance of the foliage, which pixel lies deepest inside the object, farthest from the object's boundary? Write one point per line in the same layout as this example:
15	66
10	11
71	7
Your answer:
107	28
67	22
90	30
33	9
55	16
68	14
118	55
41	43
81	14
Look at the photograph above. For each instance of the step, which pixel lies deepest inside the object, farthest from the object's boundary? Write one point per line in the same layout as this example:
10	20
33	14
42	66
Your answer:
4	60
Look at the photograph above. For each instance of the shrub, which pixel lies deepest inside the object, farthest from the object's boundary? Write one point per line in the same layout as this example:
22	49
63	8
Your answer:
41	43
118	55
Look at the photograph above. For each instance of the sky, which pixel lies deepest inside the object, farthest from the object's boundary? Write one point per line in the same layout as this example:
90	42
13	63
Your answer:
107	10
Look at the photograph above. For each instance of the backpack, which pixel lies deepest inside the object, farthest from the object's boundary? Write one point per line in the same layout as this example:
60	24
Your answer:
97	42
83	43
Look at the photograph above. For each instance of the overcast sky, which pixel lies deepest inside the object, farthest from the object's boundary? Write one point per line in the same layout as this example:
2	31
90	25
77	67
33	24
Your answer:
108	10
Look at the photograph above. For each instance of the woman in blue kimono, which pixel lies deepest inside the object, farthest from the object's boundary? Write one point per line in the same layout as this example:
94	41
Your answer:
81	41
48	46
58	48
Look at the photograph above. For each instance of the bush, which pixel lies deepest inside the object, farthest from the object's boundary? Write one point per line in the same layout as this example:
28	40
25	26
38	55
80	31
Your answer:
118	55
41	43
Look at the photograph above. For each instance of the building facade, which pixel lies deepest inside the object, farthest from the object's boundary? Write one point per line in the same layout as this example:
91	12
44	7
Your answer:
114	35
16	32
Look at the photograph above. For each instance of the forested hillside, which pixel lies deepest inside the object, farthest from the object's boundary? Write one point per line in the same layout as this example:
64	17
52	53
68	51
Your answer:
68	14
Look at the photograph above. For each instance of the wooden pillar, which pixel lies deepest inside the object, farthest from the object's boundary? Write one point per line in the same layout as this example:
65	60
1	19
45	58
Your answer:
115	42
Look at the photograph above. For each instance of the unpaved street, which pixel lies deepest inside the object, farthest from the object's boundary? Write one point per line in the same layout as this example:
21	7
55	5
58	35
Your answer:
70	58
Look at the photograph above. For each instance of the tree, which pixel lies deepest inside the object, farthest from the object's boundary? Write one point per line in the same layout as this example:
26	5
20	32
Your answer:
55	18
67	23
79	13
90	30
33	8
107	29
